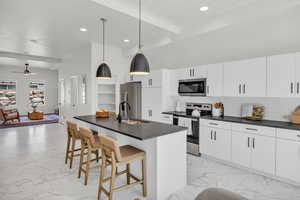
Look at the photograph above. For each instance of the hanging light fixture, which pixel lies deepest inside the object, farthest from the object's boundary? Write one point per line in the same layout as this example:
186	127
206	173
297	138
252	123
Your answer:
139	64
103	71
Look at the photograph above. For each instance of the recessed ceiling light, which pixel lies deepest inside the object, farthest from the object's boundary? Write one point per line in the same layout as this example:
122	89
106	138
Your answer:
83	29
126	40
203	8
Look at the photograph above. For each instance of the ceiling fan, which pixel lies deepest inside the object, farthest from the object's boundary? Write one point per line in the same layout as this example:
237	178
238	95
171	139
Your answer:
26	72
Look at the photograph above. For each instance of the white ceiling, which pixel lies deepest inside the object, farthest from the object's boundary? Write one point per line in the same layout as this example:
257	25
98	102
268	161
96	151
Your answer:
51	28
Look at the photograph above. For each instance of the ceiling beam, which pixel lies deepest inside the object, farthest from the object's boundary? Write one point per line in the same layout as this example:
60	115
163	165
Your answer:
7	54
133	12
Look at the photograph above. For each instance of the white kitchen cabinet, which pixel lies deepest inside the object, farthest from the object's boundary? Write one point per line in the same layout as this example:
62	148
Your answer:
288	154
297	79
281	76
253	147
151	104
168	119
241	152
154	79
215	142
134	78
233	76
206	141
214	80
199	71
245	78
263	154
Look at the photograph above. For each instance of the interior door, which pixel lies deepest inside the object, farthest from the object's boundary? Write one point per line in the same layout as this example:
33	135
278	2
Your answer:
281	75
263	154
61	100
241	150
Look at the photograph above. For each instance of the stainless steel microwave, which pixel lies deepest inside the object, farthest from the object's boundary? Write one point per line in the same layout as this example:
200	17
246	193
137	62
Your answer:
192	87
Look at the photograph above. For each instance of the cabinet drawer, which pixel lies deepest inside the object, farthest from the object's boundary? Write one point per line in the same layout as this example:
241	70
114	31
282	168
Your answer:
259	130
215	124
288	134
167	118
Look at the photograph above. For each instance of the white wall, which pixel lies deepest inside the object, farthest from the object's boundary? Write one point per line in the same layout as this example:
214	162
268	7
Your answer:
119	65
85	61
77	63
50	77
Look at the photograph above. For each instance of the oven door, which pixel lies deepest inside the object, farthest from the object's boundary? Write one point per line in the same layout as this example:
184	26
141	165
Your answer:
193	87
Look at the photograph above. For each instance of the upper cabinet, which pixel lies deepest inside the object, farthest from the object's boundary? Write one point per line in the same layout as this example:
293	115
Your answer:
214	85
191	73
282	72
246	78
154	79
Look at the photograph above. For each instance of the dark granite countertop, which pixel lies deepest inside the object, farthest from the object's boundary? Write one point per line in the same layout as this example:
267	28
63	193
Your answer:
141	131
180	114
268	123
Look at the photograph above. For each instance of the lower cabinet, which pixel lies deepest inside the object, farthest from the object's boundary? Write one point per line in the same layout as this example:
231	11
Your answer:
254	151
216	142
168	119
288	155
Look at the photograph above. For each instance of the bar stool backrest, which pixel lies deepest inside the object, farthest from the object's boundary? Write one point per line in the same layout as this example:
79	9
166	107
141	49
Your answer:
87	135
111	146
72	129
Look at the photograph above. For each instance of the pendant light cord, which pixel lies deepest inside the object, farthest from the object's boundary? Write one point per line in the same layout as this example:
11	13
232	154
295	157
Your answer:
140	23
103	39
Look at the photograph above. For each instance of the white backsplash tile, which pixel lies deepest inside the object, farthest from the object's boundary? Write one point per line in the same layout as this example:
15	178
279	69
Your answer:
275	108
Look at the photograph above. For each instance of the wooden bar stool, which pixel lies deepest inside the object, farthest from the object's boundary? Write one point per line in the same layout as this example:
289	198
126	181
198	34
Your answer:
118	156
73	136
89	144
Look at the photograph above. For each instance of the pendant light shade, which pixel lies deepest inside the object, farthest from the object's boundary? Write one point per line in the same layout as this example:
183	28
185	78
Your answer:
103	71
139	64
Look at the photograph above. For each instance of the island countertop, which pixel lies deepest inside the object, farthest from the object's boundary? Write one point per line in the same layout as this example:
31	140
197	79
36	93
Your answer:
141	131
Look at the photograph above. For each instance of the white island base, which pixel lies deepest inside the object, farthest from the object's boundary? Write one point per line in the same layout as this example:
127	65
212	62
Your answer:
166	161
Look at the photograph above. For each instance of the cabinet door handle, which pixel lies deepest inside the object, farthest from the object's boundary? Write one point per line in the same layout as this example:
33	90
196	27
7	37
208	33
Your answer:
215	135
240	88
253	143
292	87
248	142
297	87
251	129
244	88
211	135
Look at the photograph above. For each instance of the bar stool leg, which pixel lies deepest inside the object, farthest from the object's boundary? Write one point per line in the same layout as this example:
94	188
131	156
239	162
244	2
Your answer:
112	180
81	160
144	176
72	152
87	169
128	173
101	177
67	151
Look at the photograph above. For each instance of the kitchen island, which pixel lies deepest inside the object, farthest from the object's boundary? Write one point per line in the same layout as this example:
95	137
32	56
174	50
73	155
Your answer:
164	144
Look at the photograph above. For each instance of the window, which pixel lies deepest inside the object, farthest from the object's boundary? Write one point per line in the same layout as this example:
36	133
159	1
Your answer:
36	94
7	93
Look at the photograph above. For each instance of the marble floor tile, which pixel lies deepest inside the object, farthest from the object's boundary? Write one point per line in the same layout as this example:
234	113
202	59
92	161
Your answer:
32	168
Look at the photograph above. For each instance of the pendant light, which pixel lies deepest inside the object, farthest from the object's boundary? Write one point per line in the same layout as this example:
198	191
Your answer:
139	64
103	71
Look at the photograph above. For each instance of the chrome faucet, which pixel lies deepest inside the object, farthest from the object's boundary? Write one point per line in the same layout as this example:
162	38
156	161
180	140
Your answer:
123	108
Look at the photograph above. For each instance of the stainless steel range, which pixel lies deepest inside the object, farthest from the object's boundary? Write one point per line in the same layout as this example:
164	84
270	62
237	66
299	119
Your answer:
192	123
